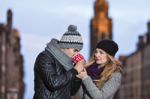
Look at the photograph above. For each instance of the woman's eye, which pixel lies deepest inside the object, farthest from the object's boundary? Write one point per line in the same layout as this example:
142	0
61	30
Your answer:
101	52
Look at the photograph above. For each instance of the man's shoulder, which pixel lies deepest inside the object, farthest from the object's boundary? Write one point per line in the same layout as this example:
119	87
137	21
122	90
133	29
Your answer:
44	55
41	54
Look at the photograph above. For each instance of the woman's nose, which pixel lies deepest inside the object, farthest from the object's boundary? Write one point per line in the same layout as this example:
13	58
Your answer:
96	54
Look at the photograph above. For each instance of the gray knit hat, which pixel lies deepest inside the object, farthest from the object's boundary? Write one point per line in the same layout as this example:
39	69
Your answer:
71	39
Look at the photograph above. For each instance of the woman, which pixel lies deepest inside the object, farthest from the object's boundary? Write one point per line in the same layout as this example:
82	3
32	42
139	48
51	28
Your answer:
102	78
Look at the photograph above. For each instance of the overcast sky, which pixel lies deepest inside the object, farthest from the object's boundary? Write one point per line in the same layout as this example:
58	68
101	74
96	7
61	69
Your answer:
40	20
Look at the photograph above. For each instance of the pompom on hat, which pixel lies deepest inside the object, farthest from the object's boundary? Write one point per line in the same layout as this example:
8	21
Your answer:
108	46
71	39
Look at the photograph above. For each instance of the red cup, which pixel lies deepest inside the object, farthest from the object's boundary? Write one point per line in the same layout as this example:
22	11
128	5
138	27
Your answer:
77	58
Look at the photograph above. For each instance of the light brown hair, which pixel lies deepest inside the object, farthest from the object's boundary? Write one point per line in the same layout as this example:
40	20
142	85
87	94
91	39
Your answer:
111	66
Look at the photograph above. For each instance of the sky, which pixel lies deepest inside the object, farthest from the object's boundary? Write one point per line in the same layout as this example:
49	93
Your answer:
38	21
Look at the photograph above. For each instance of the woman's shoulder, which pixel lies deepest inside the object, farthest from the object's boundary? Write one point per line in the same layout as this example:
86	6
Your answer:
116	74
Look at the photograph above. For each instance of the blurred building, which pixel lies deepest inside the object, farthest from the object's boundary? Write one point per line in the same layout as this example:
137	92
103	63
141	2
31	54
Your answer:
11	61
101	24
136	77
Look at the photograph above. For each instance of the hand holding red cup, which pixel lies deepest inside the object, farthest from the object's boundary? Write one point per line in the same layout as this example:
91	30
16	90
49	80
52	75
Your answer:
77	58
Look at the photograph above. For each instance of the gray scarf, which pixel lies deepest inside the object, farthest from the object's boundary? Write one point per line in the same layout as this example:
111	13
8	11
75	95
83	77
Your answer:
53	48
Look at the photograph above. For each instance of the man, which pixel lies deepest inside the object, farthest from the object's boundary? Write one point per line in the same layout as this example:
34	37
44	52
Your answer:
55	75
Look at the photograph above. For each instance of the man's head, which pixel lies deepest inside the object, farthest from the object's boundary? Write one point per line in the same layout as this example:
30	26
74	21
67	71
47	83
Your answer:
71	41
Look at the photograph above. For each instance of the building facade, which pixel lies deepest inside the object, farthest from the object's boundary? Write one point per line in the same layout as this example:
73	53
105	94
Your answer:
11	61
136	78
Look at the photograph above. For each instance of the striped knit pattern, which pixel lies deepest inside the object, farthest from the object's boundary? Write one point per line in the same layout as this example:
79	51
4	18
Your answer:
71	39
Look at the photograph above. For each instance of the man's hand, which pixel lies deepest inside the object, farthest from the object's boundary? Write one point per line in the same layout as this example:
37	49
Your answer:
76	58
80	66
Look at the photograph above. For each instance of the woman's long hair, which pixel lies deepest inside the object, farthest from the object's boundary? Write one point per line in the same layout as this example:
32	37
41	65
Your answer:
111	66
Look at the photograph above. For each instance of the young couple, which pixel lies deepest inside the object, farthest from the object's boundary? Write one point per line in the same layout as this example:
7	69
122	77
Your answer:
59	75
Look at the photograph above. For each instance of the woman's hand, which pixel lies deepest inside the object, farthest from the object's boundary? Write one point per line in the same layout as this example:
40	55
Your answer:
80	66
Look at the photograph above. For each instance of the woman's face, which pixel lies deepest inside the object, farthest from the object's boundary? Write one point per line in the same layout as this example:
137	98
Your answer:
100	56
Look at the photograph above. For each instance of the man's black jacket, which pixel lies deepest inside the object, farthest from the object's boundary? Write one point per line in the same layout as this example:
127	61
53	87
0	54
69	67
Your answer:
52	81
